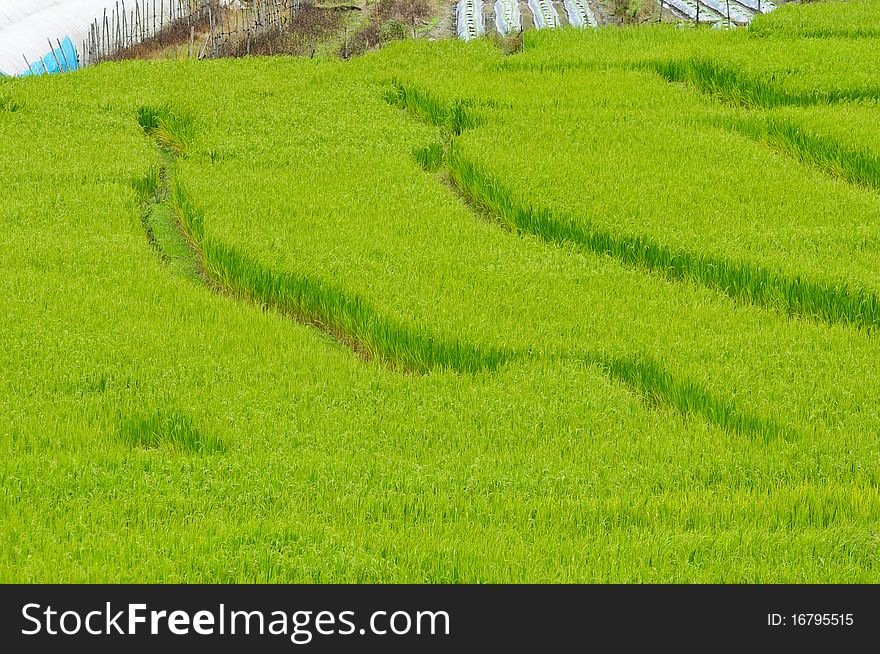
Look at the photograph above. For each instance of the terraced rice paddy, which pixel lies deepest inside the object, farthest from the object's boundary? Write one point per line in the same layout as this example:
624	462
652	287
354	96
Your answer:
603	310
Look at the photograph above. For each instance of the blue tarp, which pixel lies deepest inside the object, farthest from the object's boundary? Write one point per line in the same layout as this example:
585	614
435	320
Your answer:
65	57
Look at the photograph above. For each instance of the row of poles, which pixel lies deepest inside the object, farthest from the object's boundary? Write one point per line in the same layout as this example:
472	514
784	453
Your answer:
136	21
125	26
247	22
697	19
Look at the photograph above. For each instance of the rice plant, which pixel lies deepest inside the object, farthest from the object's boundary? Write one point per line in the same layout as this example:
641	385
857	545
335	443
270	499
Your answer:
829	155
857	19
430	157
659	387
156	429
796	296
168	429
309	300
9	104
454	117
733	86
173	130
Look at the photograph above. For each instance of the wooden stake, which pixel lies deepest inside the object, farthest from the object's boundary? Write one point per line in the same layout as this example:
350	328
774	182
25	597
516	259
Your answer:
211	24
63	56
54	56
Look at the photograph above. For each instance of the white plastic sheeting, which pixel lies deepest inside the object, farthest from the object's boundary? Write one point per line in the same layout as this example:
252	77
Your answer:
579	13
738	14
714	11
469	19
760	6
544	13
508	19
689	8
28	26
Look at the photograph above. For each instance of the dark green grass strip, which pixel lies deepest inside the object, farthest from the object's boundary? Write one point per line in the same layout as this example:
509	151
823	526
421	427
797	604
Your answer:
854	166
647	378
430	157
658	387
795	296
734	87
9	104
177	226
172	130
160	225
453	117
349	318
168	429
355	323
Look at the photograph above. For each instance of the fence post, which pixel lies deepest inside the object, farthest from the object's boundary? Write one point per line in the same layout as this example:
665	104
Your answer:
63	56
211	24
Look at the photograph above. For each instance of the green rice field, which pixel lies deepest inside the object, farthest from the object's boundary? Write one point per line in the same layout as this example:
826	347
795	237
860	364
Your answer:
603	310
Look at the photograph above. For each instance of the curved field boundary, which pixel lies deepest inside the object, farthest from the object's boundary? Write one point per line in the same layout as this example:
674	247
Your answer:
349	319
658	387
161	228
453	117
795	296
804	32
642	375
579	13
354	323
735	87
854	166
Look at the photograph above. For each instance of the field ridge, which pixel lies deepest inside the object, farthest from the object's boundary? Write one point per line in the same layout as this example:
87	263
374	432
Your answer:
858	167
348	319
734	87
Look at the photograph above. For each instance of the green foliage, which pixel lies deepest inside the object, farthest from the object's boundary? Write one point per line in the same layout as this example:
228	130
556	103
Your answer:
453	117
829	155
9	104
638	429
393	30
312	301
661	388
731	85
308	300
173	130
430	157
150	186
851	19
797	296
168	429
